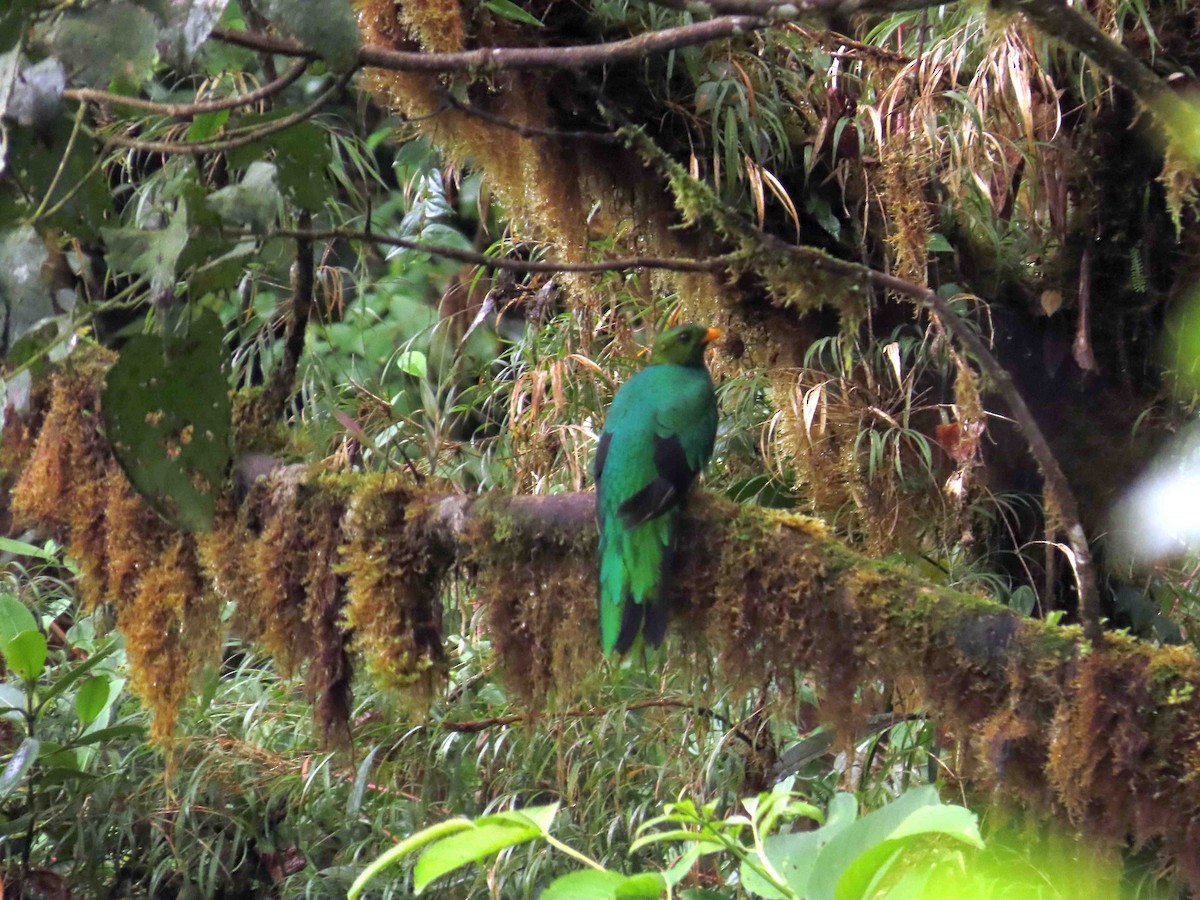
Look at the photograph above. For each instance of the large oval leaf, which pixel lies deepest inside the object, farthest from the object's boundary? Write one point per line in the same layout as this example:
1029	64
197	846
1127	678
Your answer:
167	414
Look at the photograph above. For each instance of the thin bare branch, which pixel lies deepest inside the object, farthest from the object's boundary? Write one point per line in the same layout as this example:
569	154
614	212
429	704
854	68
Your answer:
790	10
1056	481
239	140
190	110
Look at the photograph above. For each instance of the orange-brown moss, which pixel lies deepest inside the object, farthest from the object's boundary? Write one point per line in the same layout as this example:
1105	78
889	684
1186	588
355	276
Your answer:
72	486
1108	733
539	600
172	629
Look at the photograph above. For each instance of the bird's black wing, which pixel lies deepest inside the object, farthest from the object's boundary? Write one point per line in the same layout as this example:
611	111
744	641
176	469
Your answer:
668	488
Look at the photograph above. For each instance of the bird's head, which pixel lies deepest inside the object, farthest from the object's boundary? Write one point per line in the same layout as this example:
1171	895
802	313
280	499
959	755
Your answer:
683	345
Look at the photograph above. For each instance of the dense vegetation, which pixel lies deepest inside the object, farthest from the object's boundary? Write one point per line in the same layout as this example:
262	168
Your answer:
287	285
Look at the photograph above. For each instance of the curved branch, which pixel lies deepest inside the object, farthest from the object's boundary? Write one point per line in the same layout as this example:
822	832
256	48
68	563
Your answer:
1056	479
239	140
1056	19
735	228
190	110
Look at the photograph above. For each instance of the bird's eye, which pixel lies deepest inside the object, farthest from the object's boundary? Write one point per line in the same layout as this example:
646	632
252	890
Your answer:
685	338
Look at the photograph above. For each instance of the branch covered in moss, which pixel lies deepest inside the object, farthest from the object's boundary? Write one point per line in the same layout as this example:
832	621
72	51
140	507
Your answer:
1102	731
1058	20
472	257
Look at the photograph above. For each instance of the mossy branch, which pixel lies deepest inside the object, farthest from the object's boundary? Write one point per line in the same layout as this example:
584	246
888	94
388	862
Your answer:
1103	731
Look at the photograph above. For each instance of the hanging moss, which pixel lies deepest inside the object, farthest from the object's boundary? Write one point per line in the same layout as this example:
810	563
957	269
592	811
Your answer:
1108	734
330	669
394	570
538	586
172	629
71	485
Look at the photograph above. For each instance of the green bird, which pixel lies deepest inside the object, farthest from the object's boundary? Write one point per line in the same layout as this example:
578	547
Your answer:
658	435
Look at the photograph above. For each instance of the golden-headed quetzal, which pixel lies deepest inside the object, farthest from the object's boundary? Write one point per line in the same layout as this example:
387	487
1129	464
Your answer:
658	435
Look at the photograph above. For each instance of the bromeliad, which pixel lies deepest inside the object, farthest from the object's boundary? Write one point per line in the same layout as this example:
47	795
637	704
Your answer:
658	436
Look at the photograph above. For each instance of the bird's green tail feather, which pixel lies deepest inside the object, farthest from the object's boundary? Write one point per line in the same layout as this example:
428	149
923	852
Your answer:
632	575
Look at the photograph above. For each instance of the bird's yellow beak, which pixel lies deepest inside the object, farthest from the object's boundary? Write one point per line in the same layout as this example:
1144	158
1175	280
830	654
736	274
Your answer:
711	335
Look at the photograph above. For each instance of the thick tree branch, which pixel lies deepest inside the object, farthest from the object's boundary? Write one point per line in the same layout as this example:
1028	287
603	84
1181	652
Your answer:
1103	729
501	58
676	264
739	231
1056	19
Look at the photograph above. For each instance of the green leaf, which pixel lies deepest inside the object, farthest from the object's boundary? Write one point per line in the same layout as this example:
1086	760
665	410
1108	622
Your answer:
794	855
220	270
24	294
937	243
76	672
26	654
15	617
22	761
540	817
850	862
643	886
107	734
91	698
206	125
588	884
303	158
327	26
48	552
413	362
255	201
354	804
408	845
442	235
109	43
149	253
506	9
72	184
468	846
167	414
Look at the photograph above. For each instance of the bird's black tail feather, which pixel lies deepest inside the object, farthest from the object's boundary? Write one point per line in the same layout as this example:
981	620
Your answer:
649	618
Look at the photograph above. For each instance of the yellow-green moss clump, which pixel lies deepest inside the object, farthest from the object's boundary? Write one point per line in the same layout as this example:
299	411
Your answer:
394	570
